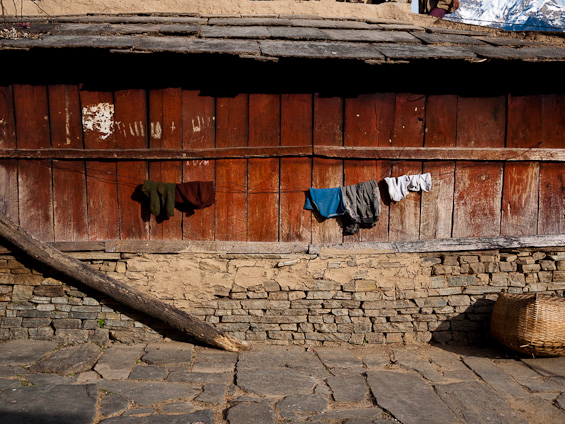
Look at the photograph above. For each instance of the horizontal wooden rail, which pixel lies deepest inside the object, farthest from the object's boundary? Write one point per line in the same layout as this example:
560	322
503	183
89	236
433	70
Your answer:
389	153
157	154
442	153
244	247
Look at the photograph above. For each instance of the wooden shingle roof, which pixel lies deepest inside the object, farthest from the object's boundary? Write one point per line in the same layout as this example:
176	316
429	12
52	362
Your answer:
272	38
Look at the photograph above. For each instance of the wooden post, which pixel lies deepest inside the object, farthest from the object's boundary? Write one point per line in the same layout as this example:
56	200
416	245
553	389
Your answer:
117	290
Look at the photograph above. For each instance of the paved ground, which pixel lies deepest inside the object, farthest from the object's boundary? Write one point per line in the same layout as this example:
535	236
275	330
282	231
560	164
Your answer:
178	383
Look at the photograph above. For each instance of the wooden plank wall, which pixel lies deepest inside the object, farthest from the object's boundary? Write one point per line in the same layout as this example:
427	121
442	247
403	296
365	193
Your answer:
261	199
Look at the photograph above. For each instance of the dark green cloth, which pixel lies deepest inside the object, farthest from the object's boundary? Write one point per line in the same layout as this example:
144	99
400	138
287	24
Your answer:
161	197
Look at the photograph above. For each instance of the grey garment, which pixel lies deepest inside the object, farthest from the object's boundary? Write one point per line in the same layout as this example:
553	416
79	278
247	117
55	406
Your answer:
362	206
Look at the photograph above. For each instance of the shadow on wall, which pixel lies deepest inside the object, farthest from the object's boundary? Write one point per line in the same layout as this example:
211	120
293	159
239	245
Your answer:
470	327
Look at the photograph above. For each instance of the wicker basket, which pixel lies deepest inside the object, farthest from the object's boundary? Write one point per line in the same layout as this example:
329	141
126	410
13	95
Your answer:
530	323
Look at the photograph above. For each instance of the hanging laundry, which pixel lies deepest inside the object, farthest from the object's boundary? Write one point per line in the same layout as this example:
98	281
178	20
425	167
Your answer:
196	194
328	201
161	197
420	182
398	188
363	206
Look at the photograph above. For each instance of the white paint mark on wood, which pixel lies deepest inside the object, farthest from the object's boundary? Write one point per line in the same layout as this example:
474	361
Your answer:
99	118
156	130
197	162
67	121
196	124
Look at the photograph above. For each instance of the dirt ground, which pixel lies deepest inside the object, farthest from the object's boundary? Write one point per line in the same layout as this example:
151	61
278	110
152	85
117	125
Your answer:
325	8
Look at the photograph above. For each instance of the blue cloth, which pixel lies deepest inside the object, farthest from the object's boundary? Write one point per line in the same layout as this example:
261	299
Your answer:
328	201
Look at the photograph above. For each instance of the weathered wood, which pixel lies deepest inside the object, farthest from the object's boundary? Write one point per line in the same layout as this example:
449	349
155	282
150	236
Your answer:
326	173
437	204
520	199
159	154
8	168
101	179
404	221
441	121
551	199
34	176
263	174
524	121
232	247
165	131
117	290
232	115
319	150
444	245
477	199
481	121
441	131
277	248
69	177
198	131
442	153
553	121
295	173
131	129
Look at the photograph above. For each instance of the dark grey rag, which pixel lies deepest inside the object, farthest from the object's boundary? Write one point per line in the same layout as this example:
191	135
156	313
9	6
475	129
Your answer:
362	206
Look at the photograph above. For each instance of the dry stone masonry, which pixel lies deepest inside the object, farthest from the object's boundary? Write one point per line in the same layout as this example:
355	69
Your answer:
334	297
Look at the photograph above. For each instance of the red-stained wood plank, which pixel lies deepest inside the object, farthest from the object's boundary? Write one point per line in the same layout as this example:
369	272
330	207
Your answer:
327	173
34	176
521	180
356	171
524	121
69	177
553	121
8	168
409	120
231	174
198	131
263	174
295	173
369	122
131	133
477	199
98	118
552	199
404	224
440	121
520	199
404	219
437	204
481	121
165	126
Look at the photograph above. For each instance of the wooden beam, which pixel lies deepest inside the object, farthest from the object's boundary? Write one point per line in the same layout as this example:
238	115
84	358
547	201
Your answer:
158	154
117	290
276	248
445	245
350	152
442	153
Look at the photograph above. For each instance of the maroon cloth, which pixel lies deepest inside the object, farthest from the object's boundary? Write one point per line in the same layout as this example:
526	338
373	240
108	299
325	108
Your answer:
196	194
438	13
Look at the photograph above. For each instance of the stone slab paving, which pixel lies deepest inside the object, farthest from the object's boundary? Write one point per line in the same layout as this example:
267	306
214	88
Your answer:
408	398
69	360
24	352
178	383
118	361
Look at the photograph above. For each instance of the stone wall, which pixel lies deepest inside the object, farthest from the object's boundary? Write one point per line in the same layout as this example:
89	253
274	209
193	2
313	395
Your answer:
335	296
